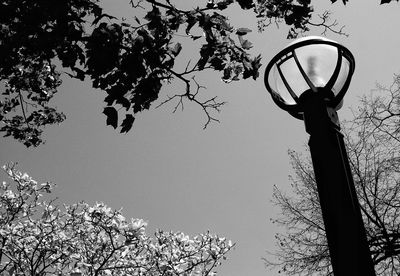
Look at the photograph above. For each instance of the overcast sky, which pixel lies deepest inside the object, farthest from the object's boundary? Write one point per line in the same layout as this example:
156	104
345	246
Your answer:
177	176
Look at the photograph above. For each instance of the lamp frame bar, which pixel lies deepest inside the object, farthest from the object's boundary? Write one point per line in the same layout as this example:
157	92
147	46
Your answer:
297	109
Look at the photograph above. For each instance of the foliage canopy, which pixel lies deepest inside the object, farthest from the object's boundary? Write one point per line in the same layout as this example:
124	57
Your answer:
130	60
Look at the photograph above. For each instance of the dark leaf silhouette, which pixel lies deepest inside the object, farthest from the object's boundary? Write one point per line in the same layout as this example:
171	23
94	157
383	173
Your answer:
242	31
177	49
246	4
102	16
196	37
112	116
127	123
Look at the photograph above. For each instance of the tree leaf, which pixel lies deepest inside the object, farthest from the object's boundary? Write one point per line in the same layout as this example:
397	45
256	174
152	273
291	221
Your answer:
195	37
112	116
246	44
191	21
177	49
80	74
127	123
222	5
242	31
99	17
206	52
137	20
245	4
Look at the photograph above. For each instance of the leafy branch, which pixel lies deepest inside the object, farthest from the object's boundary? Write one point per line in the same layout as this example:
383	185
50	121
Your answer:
130	60
298	16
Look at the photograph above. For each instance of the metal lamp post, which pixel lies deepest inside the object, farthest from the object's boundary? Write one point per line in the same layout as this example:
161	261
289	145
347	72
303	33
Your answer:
308	79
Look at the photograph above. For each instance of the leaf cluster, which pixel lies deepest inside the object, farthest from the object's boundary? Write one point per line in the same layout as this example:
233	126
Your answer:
387	1
129	59
32	35
150	51
294	13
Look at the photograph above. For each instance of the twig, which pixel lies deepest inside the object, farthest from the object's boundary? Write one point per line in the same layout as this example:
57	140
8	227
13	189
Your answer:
325	18
207	106
22	107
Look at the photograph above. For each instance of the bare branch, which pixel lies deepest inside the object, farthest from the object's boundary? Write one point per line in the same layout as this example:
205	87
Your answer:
21	100
327	25
373	146
208	106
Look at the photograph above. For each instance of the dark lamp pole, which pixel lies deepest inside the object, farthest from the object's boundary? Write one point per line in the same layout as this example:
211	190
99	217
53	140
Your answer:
308	79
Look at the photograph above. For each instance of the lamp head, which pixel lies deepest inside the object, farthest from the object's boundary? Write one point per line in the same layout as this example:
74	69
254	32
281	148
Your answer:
309	63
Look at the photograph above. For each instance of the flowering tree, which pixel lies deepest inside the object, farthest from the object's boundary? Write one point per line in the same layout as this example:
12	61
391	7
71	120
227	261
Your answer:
40	238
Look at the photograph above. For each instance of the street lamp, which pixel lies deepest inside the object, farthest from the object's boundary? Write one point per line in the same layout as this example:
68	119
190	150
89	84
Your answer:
308	79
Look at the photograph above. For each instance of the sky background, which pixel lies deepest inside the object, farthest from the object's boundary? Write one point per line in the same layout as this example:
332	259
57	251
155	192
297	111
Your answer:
177	176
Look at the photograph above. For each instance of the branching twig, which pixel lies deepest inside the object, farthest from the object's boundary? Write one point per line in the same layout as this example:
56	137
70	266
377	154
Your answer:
152	2
327	25
22	107
137	5
208	105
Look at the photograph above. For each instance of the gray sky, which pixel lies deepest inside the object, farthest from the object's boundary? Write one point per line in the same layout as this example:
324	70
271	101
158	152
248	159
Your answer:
177	176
